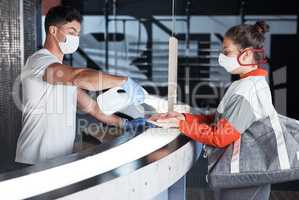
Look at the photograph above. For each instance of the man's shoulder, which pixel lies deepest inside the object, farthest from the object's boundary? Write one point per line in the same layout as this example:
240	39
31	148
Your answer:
38	62
42	56
42	53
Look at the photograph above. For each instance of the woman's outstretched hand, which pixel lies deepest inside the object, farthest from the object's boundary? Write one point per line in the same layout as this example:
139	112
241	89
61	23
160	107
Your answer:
167	120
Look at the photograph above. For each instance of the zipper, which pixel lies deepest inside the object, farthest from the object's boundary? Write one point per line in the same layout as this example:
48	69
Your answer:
205	154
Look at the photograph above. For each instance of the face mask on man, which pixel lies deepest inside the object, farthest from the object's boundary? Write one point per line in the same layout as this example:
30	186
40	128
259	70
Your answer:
70	45
232	63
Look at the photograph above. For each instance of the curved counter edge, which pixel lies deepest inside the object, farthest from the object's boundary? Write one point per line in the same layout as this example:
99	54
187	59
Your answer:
145	183
133	162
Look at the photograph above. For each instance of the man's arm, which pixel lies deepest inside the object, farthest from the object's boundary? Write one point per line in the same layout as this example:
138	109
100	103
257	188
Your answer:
90	106
84	78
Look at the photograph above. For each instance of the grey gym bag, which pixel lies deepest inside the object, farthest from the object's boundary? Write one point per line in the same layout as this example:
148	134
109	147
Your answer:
264	156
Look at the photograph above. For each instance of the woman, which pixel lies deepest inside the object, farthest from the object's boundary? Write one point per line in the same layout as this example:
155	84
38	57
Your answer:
248	145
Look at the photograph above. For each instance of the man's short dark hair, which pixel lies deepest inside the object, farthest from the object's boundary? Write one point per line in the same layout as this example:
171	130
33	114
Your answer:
61	15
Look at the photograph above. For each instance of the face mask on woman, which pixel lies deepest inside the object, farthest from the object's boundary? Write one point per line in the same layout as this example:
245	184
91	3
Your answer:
232	63
228	63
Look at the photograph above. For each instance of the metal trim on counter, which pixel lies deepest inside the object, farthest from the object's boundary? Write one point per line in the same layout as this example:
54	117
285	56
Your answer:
137	153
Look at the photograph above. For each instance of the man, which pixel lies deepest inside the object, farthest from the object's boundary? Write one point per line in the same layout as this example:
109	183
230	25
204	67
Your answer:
52	91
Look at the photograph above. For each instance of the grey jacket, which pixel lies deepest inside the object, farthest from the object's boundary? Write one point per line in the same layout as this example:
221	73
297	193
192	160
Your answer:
268	149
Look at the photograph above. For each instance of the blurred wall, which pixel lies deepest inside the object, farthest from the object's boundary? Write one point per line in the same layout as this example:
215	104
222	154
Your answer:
17	42
47	4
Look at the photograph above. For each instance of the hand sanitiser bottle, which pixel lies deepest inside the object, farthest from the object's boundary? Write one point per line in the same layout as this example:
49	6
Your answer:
113	100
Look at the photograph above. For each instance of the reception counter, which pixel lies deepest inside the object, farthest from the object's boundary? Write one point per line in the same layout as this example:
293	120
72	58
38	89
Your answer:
148	163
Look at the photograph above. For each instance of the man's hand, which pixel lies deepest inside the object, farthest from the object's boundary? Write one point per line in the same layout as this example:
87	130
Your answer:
135	91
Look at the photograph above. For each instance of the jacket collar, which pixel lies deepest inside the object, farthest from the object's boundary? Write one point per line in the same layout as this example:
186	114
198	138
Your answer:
256	72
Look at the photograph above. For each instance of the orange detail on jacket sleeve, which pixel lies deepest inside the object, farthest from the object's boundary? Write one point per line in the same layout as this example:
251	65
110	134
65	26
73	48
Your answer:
199	118
218	135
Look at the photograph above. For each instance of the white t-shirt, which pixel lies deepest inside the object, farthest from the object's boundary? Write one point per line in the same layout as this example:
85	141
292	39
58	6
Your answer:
49	113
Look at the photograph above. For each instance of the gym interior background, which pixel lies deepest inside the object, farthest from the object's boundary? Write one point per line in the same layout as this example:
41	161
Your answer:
130	37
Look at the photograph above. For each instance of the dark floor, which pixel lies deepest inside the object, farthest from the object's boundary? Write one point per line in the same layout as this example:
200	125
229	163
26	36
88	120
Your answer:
203	194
